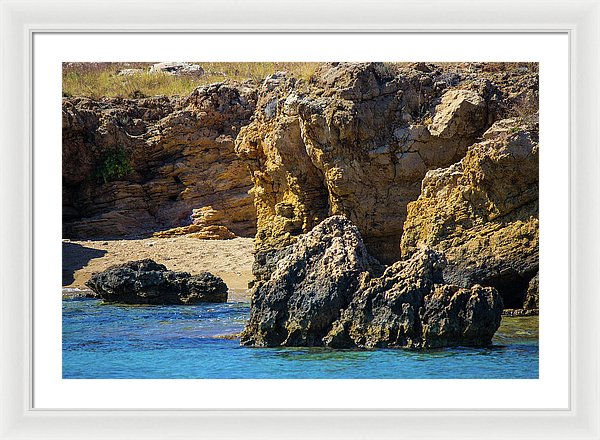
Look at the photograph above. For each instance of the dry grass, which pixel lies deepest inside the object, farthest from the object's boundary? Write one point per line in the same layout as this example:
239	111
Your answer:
96	80
490	67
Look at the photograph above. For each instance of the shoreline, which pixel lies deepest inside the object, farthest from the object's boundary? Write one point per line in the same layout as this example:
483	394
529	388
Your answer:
229	259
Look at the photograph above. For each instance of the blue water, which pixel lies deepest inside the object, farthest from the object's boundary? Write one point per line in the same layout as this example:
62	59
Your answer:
185	342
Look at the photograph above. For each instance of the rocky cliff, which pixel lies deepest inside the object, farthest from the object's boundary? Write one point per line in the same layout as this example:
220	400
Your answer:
482	214
416	156
358	139
135	166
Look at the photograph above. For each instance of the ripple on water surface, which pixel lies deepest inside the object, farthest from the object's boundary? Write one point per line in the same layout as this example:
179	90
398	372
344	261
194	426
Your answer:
194	342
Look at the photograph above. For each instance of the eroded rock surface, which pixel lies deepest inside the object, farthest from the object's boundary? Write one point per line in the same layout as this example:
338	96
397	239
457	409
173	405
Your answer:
135	166
532	296
326	292
439	157
177	68
357	140
147	282
411	306
310	286
482	214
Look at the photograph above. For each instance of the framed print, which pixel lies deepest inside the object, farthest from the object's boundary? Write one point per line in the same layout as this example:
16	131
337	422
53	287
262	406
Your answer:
328	220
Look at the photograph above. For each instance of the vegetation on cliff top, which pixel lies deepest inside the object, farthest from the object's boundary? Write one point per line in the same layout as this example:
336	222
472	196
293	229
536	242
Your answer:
101	79
96	80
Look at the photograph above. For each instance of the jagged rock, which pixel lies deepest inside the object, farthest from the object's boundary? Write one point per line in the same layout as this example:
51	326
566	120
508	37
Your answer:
532	297
322	293
357	141
310	286
147	282
458	316
482	214
410	307
461	112
136	166
266	262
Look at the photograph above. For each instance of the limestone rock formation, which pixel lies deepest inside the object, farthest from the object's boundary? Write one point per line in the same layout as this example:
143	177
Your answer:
212	232
532	297
482	213
177	68
326	292
410	306
357	140
459	112
135	166
147	282
310	286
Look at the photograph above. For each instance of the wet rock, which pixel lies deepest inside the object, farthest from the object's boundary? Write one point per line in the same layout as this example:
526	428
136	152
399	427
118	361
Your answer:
309	287
147	282
460	316
326	291
411	307
266	262
532	297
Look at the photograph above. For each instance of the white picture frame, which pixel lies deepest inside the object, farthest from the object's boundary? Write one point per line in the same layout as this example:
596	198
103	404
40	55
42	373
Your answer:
19	21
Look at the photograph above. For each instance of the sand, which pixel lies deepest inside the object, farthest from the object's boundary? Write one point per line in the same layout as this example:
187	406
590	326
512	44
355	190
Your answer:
229	259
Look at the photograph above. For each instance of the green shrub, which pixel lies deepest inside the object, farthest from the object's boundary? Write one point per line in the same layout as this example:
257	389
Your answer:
113	165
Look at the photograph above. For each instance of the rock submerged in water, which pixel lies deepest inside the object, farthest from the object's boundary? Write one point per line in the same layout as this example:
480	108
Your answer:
326	292
309	287
147	282
410	306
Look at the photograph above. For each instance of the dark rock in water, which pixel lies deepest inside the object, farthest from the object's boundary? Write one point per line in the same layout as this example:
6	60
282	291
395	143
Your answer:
409	306
309	287
147	282
455	315
322	293
532	297
386	311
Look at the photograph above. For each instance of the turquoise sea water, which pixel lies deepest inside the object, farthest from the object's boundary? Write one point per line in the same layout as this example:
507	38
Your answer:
185	342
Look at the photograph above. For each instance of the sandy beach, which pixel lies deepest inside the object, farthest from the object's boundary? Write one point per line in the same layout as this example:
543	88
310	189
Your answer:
229	259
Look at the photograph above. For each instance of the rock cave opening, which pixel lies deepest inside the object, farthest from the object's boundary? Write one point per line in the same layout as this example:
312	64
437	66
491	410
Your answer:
511	286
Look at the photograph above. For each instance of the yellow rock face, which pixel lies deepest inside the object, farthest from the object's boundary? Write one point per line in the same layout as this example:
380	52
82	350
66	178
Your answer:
482	214
354	141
